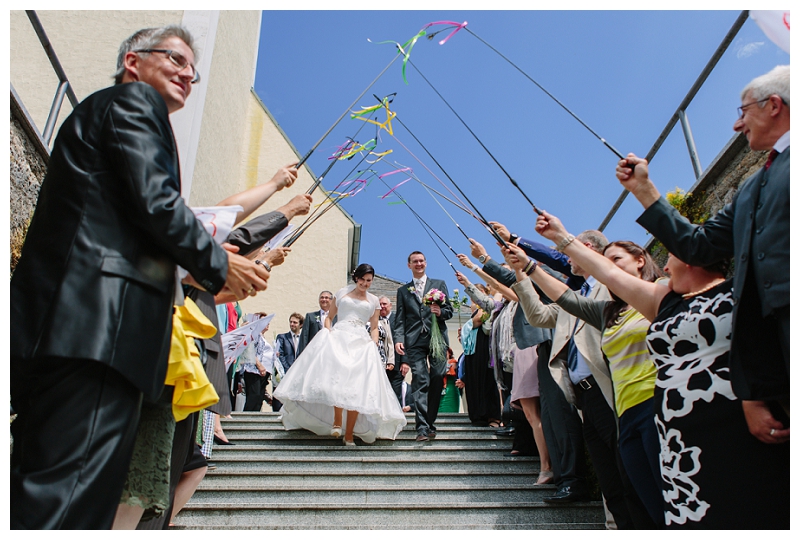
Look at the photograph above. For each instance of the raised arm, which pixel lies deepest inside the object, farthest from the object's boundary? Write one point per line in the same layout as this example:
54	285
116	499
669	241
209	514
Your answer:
698	245
254	197
643	296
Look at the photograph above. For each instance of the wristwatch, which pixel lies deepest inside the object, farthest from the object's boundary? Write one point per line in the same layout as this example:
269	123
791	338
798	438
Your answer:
513	238
482	258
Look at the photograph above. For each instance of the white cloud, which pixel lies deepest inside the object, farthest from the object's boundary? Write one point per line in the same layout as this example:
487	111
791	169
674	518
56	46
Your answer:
749	49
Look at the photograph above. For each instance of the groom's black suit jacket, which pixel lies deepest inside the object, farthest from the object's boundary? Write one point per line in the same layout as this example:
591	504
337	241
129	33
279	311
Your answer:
412	315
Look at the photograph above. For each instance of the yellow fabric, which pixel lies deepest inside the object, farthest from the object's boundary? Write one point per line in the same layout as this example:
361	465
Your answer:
193	391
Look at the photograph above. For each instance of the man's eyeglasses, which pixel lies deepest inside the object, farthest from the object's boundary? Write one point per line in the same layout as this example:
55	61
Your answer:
177	59
741	109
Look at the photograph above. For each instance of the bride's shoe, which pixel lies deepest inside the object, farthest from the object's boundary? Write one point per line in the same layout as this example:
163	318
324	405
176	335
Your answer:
336	431
349	443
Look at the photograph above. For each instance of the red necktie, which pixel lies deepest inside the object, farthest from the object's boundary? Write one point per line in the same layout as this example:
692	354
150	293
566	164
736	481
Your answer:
771	156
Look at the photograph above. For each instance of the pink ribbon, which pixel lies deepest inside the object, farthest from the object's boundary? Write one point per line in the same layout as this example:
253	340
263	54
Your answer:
458	26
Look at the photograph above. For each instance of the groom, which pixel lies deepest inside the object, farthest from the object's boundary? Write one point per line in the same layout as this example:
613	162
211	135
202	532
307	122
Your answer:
412	341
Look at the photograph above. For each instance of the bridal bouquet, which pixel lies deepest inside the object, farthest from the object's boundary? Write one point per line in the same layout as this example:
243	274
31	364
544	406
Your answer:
438	347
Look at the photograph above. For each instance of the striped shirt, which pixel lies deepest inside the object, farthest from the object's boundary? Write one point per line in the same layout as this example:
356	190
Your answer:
632	371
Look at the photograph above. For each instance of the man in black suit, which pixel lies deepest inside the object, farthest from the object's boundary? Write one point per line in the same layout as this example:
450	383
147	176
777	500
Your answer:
754	229
314	320
412	343
286	346
92	296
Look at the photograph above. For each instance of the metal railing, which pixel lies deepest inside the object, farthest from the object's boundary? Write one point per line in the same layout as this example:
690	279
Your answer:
64	86
680	114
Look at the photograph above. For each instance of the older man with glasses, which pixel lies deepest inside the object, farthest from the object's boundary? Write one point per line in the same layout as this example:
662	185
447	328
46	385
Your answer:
753	229
92	295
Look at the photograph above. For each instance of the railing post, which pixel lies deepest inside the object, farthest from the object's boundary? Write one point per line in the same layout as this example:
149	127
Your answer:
687	134
47	134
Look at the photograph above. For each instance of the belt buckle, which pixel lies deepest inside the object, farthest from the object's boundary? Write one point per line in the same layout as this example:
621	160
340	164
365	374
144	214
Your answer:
585	384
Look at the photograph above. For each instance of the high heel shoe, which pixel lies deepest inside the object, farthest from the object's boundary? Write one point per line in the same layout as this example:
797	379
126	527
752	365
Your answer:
349	443
336	431
217	440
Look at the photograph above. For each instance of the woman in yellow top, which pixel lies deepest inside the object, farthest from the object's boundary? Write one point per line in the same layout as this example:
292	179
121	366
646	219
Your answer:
633	373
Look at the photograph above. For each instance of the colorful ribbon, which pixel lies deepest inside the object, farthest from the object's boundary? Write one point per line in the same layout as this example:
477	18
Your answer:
457	28
384	104
405	48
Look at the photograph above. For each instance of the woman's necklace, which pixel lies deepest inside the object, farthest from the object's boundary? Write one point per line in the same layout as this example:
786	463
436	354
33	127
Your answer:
704	289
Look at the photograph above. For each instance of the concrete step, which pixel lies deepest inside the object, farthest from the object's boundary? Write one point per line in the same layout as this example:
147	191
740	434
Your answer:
444	418
358	464
221	479
254	435
473	515
405	452
349	495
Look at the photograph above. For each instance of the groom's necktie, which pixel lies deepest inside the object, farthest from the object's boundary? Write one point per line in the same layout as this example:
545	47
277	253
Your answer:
419	287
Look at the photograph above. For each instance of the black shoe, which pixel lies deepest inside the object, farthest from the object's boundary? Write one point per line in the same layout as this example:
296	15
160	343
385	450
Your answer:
506	431
217	440
432	434
421	437
566	495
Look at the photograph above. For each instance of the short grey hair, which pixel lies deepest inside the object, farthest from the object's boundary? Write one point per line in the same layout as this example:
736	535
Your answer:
386	297
596	238
150	38
774	82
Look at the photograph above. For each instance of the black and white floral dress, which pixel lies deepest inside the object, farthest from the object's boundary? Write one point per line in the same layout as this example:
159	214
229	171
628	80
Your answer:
715	474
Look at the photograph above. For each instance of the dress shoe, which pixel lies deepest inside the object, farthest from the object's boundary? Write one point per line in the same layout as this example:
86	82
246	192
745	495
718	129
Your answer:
508	431
422	438
566	495
336	431
432	434
217	440
349	443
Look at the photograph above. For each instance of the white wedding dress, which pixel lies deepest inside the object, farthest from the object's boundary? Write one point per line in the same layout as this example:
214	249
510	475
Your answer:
342	367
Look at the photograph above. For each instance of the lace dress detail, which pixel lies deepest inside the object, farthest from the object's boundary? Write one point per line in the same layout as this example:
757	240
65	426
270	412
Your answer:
342	368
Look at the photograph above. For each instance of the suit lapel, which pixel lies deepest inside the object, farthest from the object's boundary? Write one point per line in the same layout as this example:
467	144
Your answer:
410	287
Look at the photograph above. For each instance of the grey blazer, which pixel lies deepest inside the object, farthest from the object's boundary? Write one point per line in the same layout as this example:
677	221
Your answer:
525	335
754	229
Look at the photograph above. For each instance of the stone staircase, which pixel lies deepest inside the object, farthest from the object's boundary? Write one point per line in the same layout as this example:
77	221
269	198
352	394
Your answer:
277	479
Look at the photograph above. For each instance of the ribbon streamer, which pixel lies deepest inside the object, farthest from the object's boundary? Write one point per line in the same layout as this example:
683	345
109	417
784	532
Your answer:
384	104
458	26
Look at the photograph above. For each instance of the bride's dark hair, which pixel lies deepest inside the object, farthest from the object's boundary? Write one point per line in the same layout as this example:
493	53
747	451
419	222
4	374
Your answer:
362	270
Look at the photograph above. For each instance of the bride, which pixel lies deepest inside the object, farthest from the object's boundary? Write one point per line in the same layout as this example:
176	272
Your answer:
340	369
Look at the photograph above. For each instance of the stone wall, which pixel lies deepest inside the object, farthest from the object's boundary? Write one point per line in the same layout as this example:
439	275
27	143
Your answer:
719	182
28	165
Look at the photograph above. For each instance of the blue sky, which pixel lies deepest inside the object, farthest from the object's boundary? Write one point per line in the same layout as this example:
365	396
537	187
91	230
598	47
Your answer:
622	72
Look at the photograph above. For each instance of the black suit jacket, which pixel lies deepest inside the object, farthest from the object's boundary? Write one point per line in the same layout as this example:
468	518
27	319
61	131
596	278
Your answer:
412	315
96	279
286	350
525	335
311	325
754	229
247	237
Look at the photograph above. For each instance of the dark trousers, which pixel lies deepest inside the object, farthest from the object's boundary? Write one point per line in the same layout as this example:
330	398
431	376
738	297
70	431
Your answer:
254	391
600	436
73	439
563	432
640	451
396	380
426	386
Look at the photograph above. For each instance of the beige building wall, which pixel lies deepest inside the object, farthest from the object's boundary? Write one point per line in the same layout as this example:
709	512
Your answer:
230	139
86	43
